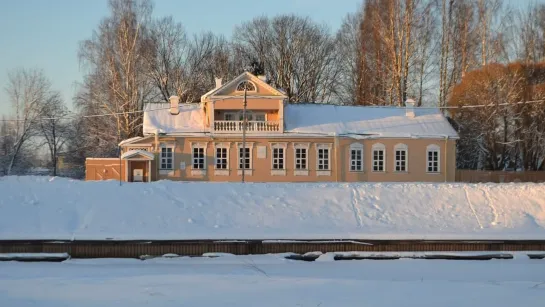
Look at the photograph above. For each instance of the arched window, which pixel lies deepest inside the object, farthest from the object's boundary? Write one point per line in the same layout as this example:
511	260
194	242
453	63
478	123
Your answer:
379	157
356	157
401	154
246	85
433	158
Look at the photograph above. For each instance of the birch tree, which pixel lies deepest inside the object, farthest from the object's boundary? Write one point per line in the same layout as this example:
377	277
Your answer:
114	57
28	90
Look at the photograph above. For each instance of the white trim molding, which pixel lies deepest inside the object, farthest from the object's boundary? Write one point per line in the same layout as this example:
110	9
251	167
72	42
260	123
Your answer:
301	171
375	167
198	171
246	81
167	171
250	147
325	170
227	147
403	148
433	148
353	166
279	161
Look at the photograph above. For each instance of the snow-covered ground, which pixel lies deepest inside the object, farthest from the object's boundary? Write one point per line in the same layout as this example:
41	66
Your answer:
56	208
270	280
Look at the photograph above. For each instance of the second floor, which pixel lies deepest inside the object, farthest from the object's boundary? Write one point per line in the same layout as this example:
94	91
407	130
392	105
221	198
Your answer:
248	103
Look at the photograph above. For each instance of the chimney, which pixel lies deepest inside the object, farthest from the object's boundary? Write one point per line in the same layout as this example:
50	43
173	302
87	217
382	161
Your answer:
174	102
218	82
409	108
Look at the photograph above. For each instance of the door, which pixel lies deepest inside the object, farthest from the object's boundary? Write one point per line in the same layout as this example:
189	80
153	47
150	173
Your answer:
138	171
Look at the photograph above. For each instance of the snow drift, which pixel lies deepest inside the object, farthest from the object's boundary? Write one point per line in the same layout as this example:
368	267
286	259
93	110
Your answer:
55	208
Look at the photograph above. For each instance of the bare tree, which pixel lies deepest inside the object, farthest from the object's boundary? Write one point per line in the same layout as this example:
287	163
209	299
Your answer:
54	127
117	80
298	55
7	141
28	90
350	60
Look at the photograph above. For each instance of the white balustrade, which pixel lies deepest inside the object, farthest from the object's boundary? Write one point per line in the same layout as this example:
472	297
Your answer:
226	126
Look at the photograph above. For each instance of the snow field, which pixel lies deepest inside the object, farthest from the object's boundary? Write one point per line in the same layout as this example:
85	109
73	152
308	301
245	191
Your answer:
271	280
63	209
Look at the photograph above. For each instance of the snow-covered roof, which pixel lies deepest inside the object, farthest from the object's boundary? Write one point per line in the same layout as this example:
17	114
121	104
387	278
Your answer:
315	119
374	121
157	117
132	153
128	141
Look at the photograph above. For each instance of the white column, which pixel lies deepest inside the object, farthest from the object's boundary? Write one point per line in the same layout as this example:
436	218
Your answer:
281	116
149	171
212	111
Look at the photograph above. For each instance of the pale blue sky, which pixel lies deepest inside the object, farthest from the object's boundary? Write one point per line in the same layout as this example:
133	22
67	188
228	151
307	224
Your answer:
45	33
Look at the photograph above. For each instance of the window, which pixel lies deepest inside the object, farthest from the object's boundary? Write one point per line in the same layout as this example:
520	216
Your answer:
166	157
432	159
323	157
400	153
221	158
379	158
198	157
260	117
229	116
300	153
301	158
277	158
246	85
244	158
250	116
356	157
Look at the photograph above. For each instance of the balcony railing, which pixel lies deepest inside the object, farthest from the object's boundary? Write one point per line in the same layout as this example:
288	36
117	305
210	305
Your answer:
226	126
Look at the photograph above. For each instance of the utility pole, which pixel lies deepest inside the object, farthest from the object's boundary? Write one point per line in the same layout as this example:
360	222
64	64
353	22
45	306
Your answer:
244	136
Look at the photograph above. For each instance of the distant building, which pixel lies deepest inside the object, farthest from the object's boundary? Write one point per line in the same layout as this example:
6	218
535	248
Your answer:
284	142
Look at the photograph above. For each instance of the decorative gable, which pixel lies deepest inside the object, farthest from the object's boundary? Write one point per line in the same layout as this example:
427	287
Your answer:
254	87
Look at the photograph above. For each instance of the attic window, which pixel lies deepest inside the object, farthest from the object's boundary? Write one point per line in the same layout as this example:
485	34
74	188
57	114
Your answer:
246	85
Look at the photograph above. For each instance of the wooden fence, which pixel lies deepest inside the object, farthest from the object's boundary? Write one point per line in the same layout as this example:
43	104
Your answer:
473	176
104	169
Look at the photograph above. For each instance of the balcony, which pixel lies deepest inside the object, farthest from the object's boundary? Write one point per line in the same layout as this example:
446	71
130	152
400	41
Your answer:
230	126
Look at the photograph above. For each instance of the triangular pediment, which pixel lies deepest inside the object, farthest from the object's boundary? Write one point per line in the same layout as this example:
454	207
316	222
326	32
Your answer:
233	88
137	155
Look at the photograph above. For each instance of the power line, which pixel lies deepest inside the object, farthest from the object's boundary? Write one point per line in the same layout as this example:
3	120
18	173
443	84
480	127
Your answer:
74	116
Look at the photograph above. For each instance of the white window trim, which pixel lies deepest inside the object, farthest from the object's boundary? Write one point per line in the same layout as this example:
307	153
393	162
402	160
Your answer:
255	86
199	171
250	146
430	148
378	146
401	147
220	171
325	172
356	146
296	171
281	171
167	171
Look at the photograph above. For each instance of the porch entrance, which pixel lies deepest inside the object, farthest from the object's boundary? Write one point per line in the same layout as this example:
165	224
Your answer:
138	165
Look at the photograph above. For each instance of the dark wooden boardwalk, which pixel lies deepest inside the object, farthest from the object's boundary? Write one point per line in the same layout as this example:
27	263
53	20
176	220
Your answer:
135	249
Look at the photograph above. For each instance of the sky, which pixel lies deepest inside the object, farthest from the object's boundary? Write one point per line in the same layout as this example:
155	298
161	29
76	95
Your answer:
45	34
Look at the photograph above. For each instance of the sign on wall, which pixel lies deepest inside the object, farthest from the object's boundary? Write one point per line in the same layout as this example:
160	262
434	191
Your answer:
182	165
261	152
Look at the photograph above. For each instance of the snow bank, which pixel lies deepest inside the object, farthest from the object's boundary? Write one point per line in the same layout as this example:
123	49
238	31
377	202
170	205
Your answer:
55	208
